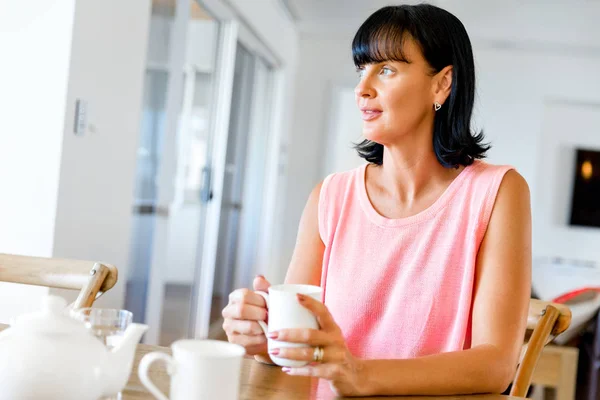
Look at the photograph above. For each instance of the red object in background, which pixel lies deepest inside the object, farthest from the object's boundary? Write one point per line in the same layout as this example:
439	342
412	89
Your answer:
577	295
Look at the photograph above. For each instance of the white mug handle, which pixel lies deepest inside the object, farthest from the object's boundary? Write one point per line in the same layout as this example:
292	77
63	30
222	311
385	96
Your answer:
263	324
145	364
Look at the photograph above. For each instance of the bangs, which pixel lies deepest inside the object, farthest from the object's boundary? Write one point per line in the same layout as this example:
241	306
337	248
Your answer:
381	38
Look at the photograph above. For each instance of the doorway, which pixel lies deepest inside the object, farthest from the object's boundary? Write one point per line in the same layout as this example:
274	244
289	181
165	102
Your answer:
201	170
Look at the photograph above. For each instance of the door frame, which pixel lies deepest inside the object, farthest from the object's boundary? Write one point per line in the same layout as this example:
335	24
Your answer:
235	29
207	251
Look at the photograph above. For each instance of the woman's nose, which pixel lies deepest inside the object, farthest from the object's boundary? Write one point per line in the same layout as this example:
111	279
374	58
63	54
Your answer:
364	89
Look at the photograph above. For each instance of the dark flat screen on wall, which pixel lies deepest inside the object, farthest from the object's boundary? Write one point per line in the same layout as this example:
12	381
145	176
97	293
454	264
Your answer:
585	199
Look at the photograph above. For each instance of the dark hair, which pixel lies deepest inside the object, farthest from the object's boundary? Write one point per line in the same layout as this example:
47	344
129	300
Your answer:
443	41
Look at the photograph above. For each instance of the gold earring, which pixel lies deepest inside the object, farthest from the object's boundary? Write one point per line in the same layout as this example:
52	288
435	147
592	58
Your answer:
437	106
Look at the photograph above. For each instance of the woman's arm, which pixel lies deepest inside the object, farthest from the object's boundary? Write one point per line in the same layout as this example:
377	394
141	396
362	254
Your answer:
500	306
307	260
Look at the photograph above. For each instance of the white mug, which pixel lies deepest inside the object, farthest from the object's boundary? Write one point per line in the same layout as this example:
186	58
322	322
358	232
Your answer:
285	312
199	369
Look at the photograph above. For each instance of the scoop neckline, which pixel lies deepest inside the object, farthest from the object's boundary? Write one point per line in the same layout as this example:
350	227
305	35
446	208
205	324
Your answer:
421	216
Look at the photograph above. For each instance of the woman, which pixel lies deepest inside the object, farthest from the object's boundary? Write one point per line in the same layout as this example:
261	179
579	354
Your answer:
424	253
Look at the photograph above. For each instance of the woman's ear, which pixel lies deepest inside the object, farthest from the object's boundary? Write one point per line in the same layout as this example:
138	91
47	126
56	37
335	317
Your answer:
442	84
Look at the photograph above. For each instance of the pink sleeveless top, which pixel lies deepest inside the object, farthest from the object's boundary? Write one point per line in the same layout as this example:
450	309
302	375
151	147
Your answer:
403	288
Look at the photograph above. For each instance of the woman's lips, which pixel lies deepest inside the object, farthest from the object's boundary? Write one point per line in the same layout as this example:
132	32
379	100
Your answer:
370	114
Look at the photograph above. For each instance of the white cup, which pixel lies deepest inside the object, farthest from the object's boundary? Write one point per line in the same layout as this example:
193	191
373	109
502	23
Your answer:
285	312
199	369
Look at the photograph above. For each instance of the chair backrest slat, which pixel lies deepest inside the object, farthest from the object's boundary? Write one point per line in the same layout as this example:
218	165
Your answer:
536	312
545	321
90	278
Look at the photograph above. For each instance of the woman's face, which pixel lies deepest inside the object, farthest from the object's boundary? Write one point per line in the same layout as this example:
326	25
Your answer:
395	97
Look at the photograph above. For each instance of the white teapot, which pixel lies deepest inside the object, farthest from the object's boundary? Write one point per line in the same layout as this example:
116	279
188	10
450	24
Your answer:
48	355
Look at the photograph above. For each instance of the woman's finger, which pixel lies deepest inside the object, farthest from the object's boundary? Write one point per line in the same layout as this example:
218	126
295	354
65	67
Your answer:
243	327
247	296
261	283
245	311
320	311
330	354
246	340
311	337
324	371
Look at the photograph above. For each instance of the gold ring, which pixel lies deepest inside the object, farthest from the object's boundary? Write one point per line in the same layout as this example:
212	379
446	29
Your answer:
318	354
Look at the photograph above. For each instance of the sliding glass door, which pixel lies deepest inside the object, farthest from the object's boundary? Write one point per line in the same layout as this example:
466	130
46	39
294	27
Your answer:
174	165
243	186
201	172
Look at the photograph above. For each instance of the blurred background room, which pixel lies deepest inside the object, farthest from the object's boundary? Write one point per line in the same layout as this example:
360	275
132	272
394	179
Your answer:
179	140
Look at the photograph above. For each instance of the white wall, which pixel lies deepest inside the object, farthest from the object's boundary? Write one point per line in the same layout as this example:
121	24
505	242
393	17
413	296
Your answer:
95	196
536	106
35	43
565	127
520	69
343	131
542	24
324	66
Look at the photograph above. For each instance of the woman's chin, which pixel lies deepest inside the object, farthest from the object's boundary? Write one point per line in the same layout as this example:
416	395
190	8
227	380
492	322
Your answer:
373	131
373	135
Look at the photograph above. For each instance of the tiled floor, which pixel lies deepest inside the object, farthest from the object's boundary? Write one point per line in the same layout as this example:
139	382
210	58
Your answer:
175	315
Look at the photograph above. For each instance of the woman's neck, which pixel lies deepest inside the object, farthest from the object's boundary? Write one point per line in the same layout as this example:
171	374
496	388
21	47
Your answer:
412	170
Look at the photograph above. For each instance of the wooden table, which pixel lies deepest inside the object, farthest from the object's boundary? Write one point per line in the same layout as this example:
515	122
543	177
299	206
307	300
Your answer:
258	382
263	382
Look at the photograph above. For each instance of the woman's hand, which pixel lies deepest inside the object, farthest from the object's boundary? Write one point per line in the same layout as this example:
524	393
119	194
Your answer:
345	373
245	308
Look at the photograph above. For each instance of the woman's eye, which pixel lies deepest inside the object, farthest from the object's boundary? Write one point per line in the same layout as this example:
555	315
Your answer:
386	71
360	72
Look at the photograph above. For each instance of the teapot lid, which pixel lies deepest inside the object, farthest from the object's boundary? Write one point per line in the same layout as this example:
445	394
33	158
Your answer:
50	319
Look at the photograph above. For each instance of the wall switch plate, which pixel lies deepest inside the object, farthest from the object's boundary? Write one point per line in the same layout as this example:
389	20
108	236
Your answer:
80	117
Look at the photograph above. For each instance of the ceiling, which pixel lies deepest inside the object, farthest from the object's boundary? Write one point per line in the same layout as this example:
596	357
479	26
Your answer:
337	16
343	17
306	10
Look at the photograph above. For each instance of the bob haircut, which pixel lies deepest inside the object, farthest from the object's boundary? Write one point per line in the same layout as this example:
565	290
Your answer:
443	41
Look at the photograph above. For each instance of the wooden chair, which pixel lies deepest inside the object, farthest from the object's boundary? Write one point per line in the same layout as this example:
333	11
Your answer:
555	376
92	279
545	322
